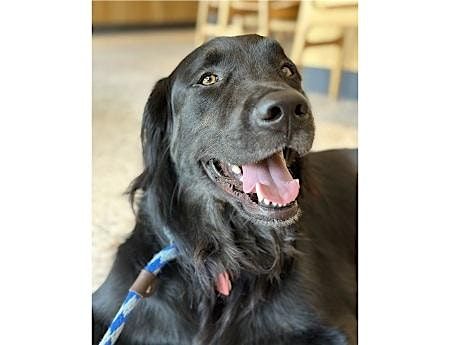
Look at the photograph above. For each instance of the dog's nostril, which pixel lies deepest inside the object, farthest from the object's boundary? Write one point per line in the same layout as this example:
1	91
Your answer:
300	110
273	113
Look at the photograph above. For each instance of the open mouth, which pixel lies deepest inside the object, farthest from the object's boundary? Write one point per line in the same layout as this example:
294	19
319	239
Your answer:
266	189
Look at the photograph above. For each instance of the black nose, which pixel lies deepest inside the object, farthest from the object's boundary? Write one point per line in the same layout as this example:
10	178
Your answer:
275	107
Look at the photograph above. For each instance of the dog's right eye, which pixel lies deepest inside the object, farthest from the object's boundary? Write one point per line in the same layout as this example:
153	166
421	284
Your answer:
208	79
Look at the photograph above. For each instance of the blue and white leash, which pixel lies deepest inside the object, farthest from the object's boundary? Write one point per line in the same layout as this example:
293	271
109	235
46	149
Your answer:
143	286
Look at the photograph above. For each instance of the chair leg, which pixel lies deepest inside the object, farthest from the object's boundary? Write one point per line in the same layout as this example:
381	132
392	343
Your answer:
336	71
263	18
223	14
300	32
201	21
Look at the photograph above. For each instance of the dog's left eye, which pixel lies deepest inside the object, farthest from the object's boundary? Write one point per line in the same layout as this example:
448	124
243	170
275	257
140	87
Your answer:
287	71
208	79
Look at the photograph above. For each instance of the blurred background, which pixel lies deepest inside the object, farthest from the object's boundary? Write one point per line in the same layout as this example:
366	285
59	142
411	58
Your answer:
135	43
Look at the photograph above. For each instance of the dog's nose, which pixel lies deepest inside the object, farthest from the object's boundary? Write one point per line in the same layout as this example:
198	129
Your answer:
275	107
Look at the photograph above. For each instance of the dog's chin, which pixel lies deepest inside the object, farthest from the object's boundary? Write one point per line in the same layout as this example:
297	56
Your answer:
228	178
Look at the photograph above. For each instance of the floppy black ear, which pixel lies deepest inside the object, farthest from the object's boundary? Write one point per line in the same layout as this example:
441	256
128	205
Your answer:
156	124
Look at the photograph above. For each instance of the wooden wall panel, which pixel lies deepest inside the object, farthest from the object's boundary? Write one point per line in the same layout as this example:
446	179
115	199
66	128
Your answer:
106	13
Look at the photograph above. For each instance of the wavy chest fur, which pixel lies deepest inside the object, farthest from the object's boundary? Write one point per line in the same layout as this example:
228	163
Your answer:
186	306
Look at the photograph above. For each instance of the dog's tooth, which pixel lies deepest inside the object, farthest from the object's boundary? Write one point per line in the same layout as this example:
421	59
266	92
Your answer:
266	202
236	169
260	196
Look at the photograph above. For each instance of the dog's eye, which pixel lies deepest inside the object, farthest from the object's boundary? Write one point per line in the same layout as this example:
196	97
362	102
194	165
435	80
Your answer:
208	79
287	71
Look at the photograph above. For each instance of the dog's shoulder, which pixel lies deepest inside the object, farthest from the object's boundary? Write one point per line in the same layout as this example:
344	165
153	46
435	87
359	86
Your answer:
328	233
335	160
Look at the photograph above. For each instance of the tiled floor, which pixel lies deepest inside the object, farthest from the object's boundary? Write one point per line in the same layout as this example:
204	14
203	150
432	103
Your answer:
125	67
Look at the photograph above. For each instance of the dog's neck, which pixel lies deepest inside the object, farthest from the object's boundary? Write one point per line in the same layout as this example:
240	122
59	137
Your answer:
214	238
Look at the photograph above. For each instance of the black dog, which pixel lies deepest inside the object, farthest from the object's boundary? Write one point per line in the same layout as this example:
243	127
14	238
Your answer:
266	233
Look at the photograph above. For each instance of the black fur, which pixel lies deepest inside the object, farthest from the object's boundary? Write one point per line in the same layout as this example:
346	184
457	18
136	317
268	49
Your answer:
291	283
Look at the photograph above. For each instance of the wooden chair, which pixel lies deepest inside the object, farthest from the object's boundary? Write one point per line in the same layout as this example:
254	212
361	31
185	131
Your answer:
222	11
239	17
342	15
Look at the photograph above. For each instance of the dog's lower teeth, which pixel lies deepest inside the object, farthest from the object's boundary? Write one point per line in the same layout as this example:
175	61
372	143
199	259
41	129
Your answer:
266	202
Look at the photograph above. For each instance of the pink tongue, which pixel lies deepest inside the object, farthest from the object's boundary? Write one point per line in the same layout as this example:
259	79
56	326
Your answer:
271	180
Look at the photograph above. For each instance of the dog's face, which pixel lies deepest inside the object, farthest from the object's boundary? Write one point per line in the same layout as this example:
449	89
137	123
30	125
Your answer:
235	121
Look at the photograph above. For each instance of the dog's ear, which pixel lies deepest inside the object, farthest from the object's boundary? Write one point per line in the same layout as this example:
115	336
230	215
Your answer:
156	125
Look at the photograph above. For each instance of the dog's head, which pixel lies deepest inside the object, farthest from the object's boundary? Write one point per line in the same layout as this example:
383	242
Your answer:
230	121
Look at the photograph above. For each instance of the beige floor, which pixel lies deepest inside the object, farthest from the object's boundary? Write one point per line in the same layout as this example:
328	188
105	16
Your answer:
125	67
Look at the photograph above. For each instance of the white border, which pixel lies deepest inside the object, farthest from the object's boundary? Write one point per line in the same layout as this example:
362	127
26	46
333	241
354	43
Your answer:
45	145
408	138
409	223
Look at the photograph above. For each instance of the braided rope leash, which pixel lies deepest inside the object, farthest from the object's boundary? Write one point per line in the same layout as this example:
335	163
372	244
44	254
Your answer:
143	286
